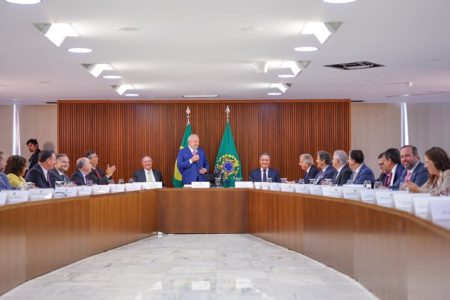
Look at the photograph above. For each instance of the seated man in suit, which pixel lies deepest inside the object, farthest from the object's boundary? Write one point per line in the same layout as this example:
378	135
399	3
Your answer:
323	162
393	168
39	174
381	166
97	175
83	169
146	174
59	172
361	172
344	173
415	170
192	162
4	182
306	162
264	172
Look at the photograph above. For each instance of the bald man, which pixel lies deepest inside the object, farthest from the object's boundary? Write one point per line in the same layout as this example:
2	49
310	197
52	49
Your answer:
147	174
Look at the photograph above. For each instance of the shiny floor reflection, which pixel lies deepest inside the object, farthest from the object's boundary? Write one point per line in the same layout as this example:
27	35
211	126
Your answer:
233	266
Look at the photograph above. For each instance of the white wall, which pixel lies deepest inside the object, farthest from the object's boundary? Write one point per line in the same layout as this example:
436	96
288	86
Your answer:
6	118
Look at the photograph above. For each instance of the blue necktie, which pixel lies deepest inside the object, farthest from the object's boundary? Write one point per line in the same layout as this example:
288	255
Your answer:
264	179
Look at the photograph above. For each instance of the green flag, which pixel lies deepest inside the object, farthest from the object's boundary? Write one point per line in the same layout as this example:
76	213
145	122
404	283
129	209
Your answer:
227	161
177	178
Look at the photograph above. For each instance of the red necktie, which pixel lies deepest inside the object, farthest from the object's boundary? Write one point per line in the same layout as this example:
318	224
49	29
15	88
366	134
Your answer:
408	176
387	180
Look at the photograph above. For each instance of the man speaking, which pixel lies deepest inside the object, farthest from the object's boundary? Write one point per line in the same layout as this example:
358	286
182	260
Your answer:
192	162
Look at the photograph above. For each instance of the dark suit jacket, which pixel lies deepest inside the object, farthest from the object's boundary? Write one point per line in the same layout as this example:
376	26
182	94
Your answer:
96	179
381	178
397	177
78	178
4	182
36	175
139	175
34	158
55	176
190	172
419	176
311	174
365	173
343	176
329	173
255	175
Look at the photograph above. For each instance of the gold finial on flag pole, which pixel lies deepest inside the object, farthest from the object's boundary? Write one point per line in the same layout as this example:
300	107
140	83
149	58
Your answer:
188	114
227	111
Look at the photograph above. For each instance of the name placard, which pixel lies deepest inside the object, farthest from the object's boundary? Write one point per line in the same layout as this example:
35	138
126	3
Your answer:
367	196
135	186
265	185
301	188
201	185
421	207
243	184
352	191
3	195
258	185
117	188
315	189
287	187
17	197
332	191
440	211
152	185
100	189
64	192
41	194
84	190
384	198
404	202
274	186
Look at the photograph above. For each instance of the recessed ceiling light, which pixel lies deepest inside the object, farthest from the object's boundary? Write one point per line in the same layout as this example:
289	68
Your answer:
131	95
319	29
280	86
57	32
79	50
112	76
24	1
122	88
97	69
274	94
201	96
306	49
338	1
294	66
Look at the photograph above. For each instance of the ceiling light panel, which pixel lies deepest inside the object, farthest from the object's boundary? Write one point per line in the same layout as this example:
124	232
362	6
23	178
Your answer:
123	88
24	1
306	49
57	32
79	50
97	69
319	29
282	87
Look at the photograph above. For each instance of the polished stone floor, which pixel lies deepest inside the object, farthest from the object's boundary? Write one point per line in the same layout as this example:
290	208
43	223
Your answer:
232	266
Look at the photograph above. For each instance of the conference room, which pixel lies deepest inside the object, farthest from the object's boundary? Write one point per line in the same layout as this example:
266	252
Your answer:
233	150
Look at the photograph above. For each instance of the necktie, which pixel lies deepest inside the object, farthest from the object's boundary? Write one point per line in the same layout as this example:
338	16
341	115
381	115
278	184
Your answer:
47	178
150	177
264	179
408	176
387	180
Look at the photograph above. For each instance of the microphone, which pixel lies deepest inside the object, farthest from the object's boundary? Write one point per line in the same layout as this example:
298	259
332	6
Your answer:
251	179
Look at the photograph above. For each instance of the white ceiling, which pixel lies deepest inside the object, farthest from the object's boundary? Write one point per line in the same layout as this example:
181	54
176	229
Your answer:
209	47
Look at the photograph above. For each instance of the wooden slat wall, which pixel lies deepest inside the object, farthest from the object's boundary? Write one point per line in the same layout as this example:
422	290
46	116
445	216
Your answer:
123	132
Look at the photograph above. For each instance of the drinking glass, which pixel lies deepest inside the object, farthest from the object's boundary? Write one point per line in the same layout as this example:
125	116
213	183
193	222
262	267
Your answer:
269	179
367	184
238	179
121	181
377	185
311	181
111	181
59	184
327	181
217	181
130	180
301	181
350	181
283	180
89	182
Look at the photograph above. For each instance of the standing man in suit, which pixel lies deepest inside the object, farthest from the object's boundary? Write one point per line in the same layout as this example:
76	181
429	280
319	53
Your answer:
393	168
59	172
343	173
264	172
323	162
39	174
146	174
415	170
33	147
192	162
306	162
83	168
97	175
361	172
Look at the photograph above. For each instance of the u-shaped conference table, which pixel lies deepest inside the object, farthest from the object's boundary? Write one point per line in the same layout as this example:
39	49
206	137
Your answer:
392	253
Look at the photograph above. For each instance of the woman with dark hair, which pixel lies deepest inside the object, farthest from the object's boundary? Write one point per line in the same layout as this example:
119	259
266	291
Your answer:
437	163
15	169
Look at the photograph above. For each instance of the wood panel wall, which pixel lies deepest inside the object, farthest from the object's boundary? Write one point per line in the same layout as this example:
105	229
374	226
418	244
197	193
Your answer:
123	132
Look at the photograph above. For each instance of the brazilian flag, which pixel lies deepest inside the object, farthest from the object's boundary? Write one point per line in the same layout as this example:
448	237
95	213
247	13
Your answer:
227	162
177	178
